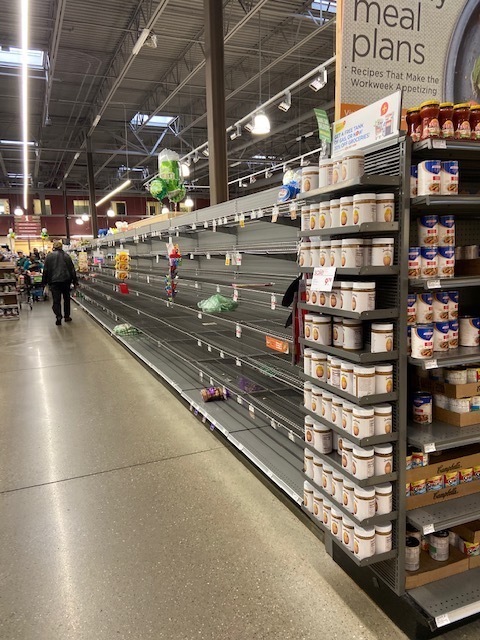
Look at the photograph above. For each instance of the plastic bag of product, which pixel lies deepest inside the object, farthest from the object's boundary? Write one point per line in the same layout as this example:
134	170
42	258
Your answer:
125	330
217	304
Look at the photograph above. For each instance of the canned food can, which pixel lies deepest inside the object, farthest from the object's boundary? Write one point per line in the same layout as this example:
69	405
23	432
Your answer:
446	261
422	408
422	341
476	472
428	231
429	262
451	479
424	308
453	334
408	490
412	309
429	178
446	230
439	547
413	181
441	336
409	340
473	374
408	461
419	459
449	178
441	306
414	266
453	305
465	475
418	488
469	331
435	483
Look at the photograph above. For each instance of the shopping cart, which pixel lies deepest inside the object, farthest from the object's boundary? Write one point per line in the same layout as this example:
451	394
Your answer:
37	289
24	286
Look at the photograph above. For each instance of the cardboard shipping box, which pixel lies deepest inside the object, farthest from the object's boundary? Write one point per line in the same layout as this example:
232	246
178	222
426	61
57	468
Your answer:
469	531
450	390
457	419
432	570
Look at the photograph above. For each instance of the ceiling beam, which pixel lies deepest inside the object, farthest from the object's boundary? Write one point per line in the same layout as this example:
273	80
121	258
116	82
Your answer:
52	57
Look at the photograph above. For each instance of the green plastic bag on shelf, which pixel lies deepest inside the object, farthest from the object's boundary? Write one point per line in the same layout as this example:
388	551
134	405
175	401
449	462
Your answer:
125	330
217	304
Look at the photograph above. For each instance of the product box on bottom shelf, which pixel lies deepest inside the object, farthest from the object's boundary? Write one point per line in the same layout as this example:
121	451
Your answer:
457	419
431	570
469	531
450	390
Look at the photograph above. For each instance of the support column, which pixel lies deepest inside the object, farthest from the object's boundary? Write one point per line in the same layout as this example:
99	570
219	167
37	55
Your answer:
91	188
215	87
65	209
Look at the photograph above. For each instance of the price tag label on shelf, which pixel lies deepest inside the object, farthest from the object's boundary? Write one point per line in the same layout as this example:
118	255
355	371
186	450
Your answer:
429	528
157	258
177	233
199	316
138	312
242	220
431	364
228	259
219	222
238	362
273	424
239	400
196	285
222	355
211	382
212	426
430	447
218	288
225	220
237	217
433	284
238	331
204	419
148	279
194	226
260	213
251	410
291	436
275	212
439	144
209	348
293	210
323	278
201	375
235	295
199	343
170	240
443	620
253	215
208	256
191	256
273	302
205	224
214	226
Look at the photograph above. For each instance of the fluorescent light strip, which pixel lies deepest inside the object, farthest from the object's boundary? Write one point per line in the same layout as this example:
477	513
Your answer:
141	41
16	142
121	187
96	120
24	22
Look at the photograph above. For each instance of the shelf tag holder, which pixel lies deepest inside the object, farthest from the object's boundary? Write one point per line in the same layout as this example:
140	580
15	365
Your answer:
275	212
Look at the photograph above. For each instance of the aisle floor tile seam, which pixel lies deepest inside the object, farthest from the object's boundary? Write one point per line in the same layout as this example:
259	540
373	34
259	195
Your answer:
112	470
66	364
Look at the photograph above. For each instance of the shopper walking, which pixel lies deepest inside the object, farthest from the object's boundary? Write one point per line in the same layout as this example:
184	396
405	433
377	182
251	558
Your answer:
59	274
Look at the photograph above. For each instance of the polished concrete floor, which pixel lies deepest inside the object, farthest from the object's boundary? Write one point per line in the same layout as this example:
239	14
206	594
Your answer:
121	516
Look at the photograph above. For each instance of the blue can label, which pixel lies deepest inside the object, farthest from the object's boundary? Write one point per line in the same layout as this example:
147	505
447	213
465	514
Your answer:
432	166
442	327
447	221
450	167
414	253
441	297
429	221
429	253
414	171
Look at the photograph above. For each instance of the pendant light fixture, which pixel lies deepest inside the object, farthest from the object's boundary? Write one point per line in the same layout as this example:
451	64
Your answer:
189	203
111	213
18	211
165	209
79	221
85	217
261	123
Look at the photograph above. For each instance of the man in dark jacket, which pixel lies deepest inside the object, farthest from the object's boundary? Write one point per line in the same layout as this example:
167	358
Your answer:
59	274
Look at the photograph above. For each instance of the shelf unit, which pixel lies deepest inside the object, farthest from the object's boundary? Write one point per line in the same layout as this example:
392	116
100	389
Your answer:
263	417
457	597
8	299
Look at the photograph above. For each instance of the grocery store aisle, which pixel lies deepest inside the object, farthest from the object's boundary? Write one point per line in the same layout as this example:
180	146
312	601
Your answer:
123	517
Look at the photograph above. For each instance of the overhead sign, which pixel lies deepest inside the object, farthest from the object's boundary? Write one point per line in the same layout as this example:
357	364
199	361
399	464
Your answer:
379	121
324	129
424	48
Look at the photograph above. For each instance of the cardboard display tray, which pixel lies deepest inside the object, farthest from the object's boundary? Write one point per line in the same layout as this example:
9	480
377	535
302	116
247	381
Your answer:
457	419
443	495
432	570
469	531
465	458
474	562
450	390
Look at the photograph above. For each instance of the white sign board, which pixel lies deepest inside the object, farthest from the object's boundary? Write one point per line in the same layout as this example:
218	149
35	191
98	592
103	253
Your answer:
323	278
379	121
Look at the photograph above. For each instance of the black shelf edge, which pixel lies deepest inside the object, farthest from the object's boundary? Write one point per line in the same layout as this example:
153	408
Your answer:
377	398
433	284
364	228
375	314
359	357
360	563
361	442
367	180
462	355
335	460
361	271
440	436
455	146
368	522
460	203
